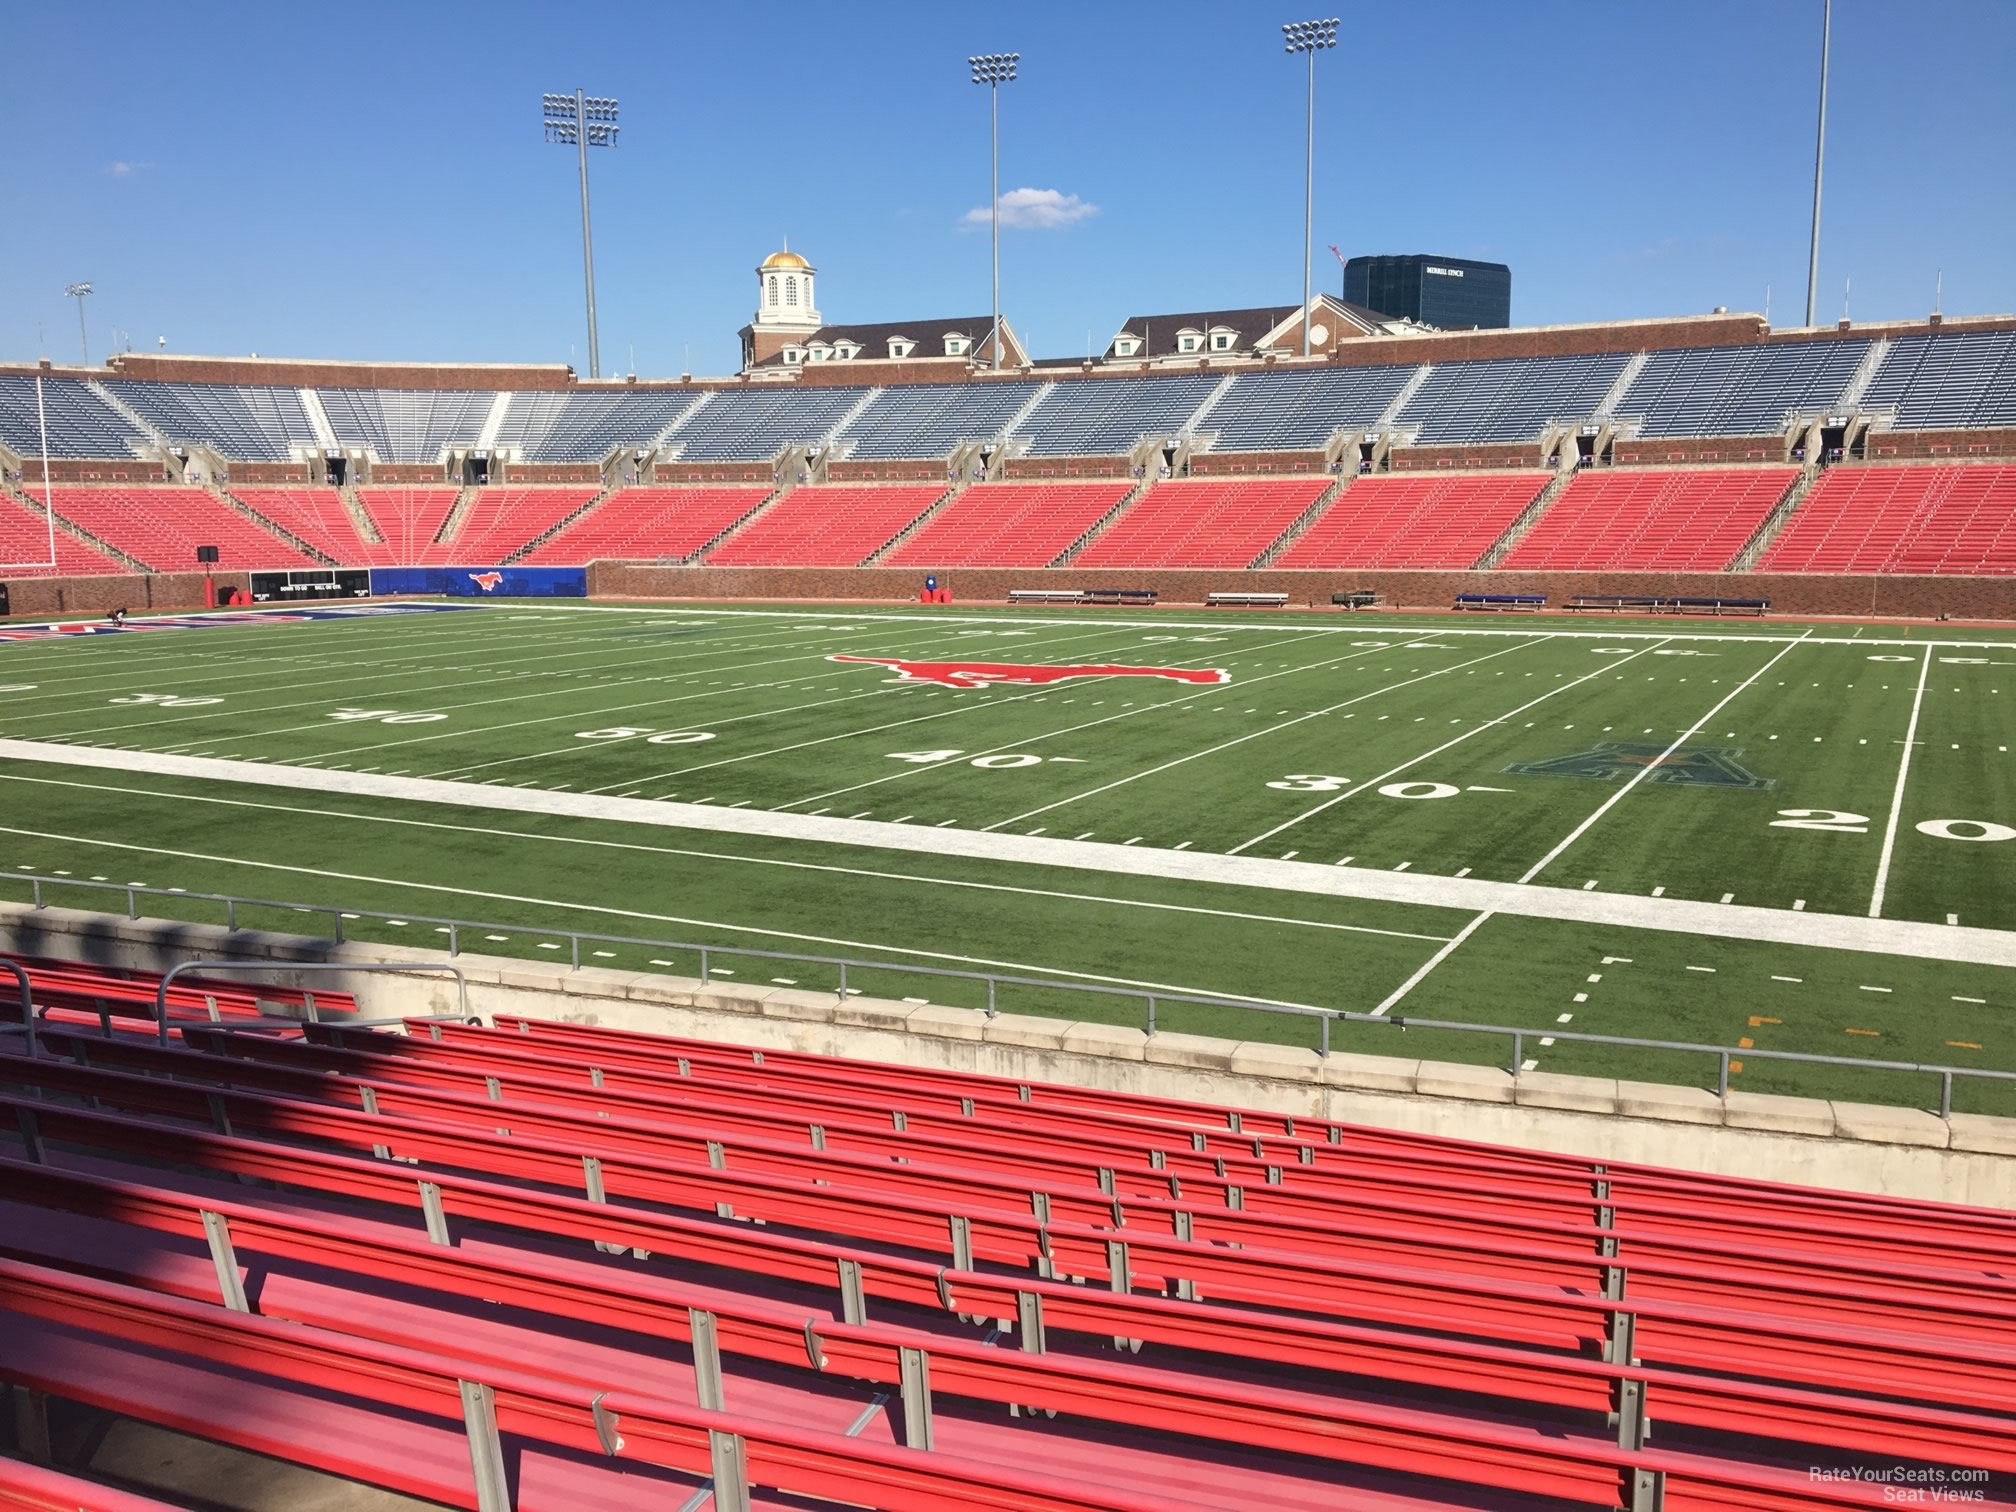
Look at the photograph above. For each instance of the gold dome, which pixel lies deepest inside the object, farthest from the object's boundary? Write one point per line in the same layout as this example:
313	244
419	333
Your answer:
783	260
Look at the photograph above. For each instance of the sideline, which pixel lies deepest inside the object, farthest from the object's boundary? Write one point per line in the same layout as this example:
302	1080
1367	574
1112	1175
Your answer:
1897	937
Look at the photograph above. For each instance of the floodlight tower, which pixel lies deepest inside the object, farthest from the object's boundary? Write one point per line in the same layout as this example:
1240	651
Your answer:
1309	37
582	121
994	70
78	291
1819	158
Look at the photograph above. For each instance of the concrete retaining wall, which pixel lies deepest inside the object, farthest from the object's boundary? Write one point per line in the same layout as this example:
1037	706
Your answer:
1860	1147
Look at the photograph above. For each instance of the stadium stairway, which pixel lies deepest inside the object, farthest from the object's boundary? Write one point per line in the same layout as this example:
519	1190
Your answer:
299	542
1759	544
1527	519
1301	523
24	538
564	523
944	501
1101	525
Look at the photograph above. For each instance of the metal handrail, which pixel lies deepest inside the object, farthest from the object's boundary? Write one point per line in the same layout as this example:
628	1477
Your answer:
1151	998
161	993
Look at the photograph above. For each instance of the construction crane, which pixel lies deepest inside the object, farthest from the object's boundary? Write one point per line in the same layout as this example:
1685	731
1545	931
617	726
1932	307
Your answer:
1340	268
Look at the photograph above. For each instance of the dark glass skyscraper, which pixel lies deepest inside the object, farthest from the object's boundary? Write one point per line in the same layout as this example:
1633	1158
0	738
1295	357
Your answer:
1451	293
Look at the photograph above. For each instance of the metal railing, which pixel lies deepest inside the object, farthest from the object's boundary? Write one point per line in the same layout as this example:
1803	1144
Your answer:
27	1007
1152	1000
161	993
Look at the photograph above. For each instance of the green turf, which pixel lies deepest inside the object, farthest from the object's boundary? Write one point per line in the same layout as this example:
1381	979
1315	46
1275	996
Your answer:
1493	748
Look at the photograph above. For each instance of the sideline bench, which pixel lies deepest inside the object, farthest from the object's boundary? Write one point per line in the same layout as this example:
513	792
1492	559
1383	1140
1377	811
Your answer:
1357	598
1617	603
1081	595
1245	601
1513	602
1756	607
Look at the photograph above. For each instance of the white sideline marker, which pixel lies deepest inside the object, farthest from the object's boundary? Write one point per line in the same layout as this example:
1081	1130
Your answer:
1709	969
1798	905
1788	979
1659	892
1564	1018
1580	997
1977	1001
1875	989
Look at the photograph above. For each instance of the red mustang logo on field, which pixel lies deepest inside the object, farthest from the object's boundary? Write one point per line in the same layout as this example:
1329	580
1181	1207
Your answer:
976	674
487	581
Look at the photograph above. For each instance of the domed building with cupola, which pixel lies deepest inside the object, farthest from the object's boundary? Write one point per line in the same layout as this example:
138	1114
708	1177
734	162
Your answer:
789	333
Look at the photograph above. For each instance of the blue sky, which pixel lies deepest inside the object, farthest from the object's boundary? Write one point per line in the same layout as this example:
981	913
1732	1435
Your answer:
251	177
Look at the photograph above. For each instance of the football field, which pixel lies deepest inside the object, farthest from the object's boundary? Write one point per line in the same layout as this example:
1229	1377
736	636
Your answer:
1755	836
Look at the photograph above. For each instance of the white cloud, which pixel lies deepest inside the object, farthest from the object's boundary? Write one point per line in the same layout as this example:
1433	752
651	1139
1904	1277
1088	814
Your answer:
125	169
1035	210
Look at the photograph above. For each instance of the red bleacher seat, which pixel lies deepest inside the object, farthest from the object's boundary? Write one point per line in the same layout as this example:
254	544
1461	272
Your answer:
503	519
162	526
1008	525
648	522
24	546
1398	521
409	518
320	517
1384	1320
1928	519
1694	520
834	525
1202	522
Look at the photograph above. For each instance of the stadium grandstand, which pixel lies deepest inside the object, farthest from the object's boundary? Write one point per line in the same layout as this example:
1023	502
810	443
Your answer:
1306	906
1858	452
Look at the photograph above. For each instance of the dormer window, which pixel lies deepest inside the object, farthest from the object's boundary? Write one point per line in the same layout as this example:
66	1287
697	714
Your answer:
793	355
955	346
900	346
1126	346
846	351
1221	341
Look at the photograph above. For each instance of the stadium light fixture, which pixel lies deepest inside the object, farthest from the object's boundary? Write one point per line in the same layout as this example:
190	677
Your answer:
582	121
78	291
994	70
1309	37
1819	159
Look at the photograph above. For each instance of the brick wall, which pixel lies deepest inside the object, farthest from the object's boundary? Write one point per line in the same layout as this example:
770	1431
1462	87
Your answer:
86	596
1937	445
550	472
1658	452
1065	467
928	470
1516	454
111	470
714	472
1222	464
408	472
269	472
1790	593
294	373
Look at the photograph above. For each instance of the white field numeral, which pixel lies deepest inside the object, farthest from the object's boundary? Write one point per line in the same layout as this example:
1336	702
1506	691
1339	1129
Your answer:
659	738
1003	763
1949	829
1310	782
164	700
1834	821
386	716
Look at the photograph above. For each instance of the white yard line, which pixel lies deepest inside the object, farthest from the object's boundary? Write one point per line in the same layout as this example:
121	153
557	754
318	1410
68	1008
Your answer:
1029	740
1393	772
1897	793
1392	999
1226	745
728	858
1469	894
978	704
1646	771
1353	625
